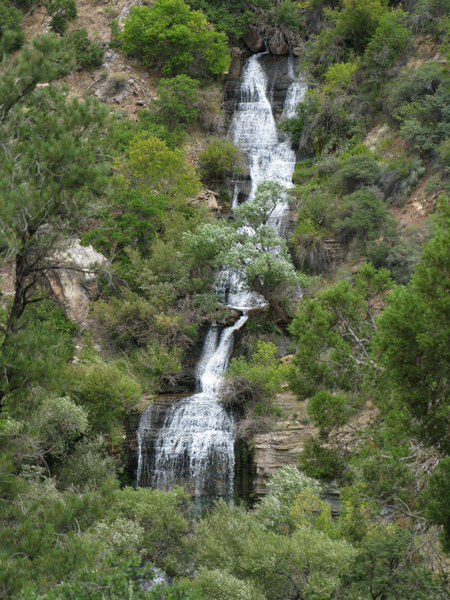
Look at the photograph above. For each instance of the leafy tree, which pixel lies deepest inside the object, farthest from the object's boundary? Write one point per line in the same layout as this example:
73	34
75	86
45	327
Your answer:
252	246
332	332
11	34
358	22
419	104
151	167
390	43
44	133
104	391
412	340
171	36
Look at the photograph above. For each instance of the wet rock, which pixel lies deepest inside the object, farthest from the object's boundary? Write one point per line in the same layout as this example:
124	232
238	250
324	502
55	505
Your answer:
231	317
279	47
253	40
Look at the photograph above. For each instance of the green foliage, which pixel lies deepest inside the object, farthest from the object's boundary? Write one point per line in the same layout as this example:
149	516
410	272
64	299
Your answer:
160	519
321	123
61	11
220	585
60	422
365	215
412	339
38	352
382	562
248	245
419	104
150	166
11	34
171	36
89	55
231	16
390	43
358	22
261	376
322	462
436	497
331	332
340	75
328	411
220	159
176	104
359	171
105	391
308	562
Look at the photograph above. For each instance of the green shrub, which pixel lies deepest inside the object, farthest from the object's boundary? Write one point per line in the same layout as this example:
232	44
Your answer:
87	467
170	36
105	391
419	103
61	11
11	34
176	103
390	43
365	214
60	423
359	171
88	55
328	411
220	159
221	585
320	462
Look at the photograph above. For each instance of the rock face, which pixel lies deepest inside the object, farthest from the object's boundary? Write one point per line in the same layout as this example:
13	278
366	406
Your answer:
74	283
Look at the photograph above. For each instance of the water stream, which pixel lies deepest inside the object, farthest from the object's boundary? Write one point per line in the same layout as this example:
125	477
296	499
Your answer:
195	445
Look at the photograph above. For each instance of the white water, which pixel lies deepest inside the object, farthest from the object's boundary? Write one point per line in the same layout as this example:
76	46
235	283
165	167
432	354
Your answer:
195	446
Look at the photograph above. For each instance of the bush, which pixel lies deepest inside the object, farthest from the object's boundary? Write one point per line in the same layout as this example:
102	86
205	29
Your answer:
220	159
11	34
62	11
390	43
364	217
419	103
320	462
221	585
358	22
359	171
60	423
88	55
171	36
328	411
176	103
105	391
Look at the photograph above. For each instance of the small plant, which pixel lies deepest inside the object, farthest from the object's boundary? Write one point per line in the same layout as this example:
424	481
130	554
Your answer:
62	11
89	55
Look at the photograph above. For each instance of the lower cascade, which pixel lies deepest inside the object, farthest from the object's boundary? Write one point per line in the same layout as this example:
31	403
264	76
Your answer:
194	446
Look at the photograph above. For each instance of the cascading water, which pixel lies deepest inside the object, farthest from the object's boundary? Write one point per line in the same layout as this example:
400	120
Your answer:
195	445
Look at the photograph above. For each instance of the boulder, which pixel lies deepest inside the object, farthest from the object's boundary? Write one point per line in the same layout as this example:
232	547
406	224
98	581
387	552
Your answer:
279	47
74	283
253	40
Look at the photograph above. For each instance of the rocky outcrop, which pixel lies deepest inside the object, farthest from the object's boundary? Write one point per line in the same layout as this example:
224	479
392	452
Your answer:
73	280
253	40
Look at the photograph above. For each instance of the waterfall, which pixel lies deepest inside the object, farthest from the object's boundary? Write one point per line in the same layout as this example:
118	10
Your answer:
195	444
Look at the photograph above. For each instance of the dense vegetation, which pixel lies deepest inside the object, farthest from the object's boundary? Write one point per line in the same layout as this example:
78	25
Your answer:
369	336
